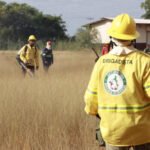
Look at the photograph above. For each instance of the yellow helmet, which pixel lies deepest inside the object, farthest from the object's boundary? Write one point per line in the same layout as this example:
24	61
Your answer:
32	38
124	28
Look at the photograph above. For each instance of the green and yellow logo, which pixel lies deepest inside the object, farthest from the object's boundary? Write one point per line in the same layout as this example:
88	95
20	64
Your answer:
115	82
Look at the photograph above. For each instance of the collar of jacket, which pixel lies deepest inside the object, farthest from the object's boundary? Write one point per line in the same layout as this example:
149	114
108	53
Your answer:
122	50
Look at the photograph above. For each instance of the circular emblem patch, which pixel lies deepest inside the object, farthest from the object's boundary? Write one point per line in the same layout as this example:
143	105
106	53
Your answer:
115	82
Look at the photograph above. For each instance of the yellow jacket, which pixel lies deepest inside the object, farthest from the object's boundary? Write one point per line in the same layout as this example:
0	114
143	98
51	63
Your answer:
29	55
119	91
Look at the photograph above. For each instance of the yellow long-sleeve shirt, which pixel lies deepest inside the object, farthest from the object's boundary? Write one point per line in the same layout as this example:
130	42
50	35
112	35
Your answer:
29	55
119	91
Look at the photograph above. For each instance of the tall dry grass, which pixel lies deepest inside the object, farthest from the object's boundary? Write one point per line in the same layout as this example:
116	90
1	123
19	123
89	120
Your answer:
46	112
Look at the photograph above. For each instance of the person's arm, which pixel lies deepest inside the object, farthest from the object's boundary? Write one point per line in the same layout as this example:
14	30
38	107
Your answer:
91	95
23	54
52	55
146	80
37	59
43	52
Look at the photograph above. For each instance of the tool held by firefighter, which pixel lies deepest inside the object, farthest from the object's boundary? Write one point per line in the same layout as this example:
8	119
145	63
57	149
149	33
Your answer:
27	70
119	90
97	56
28	56
106	47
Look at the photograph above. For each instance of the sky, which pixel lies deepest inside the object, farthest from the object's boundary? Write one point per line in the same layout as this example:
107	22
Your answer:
79	12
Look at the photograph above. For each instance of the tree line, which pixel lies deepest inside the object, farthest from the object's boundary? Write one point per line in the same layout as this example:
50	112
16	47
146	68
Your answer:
18	21
146	6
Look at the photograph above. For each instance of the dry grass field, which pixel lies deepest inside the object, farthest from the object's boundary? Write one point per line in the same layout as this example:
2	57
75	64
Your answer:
46	112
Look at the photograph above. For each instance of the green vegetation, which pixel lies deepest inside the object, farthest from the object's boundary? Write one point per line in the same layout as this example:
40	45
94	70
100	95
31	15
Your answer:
146	6
84	38
67	45
18	21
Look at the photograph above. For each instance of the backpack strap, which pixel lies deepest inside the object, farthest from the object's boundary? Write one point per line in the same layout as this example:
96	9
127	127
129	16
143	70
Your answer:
25	49
35	50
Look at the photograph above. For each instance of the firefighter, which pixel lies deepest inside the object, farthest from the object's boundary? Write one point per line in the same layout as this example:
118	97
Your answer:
47	56
119	90
28	56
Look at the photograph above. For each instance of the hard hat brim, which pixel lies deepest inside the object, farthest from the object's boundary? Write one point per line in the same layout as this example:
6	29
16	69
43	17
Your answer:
123	36
32	40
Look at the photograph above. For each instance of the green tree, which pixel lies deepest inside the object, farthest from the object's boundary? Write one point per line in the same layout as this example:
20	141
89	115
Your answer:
146	6
18	21
85	37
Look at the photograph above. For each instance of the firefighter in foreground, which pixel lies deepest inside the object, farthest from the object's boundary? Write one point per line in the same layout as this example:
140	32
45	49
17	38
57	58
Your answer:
28	56
47	56
119	90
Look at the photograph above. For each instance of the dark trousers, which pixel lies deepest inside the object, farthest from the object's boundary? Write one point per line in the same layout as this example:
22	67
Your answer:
47	62
31	68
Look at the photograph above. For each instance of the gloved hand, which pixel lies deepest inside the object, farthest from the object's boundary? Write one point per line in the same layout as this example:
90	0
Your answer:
37	67
26	63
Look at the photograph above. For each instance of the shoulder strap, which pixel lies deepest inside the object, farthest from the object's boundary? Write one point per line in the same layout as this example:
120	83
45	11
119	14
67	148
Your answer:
25	49
35	50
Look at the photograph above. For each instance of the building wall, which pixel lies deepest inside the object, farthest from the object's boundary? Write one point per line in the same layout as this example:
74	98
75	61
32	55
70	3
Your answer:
141	41
148	37
148	34
142	30
101	30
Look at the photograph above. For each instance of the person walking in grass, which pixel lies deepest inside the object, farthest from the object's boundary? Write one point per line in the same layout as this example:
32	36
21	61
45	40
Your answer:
119	90
47	56
28	56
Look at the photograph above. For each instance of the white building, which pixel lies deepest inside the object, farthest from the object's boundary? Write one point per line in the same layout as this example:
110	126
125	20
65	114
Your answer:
101	26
